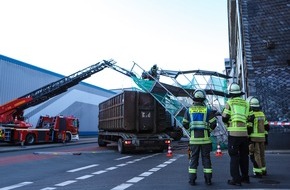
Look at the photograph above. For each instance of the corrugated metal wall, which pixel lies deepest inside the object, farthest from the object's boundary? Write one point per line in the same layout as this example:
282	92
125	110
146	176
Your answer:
18	78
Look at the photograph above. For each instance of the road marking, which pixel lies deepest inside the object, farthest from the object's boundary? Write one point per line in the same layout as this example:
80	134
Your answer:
65	183
99	172
122	186
57	153
112	168
16	185
85	177
121	165
125	157
145	174
131	162
161	165
48	188
154	169
83	168
135	179
119	187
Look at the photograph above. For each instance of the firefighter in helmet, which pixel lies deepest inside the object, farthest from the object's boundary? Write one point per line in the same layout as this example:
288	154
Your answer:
199	120
258	131
152	73
236	115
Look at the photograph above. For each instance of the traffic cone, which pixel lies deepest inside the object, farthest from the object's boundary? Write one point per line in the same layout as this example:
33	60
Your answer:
218	151
169	152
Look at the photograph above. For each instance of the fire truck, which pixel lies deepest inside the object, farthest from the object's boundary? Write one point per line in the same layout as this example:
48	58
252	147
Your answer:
15	129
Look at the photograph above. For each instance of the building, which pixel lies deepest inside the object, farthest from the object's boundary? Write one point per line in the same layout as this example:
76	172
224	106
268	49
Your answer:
259	49
82	100
259	45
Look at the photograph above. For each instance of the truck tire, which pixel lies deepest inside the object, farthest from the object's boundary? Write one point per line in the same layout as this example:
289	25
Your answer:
121	148
30	139
101	142
67	137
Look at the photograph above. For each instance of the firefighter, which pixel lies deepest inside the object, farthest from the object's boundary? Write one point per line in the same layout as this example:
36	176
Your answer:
235	115
257	131
152	73
199	120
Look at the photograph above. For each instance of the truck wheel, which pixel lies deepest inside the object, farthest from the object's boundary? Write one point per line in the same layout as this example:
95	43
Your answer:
101	143
67	137
121	148
30	139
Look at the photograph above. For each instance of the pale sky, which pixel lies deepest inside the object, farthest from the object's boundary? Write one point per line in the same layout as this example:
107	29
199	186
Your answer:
65	36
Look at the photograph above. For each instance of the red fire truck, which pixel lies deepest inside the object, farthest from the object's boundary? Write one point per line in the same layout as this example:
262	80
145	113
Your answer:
14	128
48	129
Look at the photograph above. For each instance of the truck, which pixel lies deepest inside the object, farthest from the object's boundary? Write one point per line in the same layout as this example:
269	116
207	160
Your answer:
134	121
49	129
15	129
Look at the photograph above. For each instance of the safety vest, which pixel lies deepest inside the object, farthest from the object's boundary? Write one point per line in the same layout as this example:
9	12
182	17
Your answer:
239	112
199	126
259	131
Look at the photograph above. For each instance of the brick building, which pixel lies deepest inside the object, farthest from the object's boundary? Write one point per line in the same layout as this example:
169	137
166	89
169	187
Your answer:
259	45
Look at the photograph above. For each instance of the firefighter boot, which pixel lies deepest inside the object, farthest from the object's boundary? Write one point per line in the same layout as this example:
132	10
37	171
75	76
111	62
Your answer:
207	178
192	178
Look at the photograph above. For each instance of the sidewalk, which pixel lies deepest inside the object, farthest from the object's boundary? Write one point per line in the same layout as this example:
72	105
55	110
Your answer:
5	147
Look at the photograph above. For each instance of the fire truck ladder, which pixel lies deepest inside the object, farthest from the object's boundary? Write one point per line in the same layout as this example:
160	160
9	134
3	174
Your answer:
55	88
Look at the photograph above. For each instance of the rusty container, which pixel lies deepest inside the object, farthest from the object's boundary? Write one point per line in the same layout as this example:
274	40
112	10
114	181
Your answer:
132	111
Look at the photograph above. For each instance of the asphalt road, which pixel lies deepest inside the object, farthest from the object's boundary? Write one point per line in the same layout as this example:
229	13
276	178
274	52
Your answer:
84	165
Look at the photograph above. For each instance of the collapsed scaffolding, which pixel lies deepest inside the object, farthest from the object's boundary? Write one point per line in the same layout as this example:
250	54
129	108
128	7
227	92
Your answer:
174	90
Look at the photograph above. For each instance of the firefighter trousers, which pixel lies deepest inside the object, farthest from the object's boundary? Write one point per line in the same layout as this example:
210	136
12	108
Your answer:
203	150
238	149
257	156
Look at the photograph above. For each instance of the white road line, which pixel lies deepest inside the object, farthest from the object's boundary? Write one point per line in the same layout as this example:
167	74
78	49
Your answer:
16	185
121	165
99	172
112	168
130	162
85	177
154	169
48	188
125	157
145	174
83	168
161	165
122	186
65	183
135	179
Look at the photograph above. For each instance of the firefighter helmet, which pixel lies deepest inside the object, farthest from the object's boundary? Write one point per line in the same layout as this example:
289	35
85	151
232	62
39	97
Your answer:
199	95
234	88
154	67
253	101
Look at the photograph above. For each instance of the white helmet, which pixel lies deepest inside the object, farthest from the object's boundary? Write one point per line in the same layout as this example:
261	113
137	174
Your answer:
253	101
234	88
199	95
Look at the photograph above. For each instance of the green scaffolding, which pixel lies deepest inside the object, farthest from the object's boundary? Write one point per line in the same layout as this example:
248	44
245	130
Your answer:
175	105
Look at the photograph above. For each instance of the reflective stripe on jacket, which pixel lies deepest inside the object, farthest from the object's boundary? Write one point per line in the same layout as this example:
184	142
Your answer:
238	111
199	124
258	127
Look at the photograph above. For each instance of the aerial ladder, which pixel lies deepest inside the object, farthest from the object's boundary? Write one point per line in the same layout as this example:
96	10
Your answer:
11	113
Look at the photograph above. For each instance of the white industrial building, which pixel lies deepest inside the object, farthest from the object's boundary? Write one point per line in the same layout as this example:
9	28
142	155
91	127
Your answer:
18	78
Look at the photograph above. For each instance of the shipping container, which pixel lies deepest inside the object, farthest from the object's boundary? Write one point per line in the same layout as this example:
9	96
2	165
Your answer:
135	120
